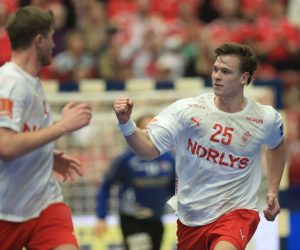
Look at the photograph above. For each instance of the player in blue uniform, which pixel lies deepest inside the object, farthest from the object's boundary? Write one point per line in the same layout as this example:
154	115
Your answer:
145	186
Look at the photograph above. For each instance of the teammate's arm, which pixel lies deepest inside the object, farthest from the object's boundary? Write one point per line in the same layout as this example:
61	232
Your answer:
275	165
13	144
139	140
67	166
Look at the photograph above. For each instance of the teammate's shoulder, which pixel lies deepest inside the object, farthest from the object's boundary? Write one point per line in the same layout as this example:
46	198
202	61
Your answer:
7	68
8	75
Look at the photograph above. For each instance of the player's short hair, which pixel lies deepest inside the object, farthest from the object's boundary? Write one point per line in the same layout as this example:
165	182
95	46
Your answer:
248	60
25	24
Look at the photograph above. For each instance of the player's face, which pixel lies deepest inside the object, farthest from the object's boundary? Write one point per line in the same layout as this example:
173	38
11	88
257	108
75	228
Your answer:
227	80
45	48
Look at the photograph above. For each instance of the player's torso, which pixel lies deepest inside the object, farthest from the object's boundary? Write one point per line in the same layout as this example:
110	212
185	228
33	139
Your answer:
224	140
218	158
30	109
32	172
36	111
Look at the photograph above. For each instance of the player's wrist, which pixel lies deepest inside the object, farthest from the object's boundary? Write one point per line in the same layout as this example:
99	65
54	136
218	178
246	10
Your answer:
62	127
272	193
127	128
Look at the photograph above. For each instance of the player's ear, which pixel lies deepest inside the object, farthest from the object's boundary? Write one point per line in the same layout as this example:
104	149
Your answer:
244	78
38	39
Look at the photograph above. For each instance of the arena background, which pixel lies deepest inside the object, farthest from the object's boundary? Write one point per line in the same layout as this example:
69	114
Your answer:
105	29
97	144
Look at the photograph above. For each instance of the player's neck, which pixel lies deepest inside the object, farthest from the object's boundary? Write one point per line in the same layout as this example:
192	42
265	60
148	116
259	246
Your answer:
230	105
26	61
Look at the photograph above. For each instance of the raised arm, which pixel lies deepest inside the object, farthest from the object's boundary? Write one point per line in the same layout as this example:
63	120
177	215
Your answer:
275	165
137	139
13	144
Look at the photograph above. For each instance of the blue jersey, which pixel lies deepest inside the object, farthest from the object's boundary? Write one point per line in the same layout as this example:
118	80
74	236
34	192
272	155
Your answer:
145	186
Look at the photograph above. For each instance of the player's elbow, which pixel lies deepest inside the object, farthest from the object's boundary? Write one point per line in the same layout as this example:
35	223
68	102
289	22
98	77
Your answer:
280	149
8	146
7	153
148	155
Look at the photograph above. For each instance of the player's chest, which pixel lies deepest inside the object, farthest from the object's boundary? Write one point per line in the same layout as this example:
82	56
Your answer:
218	131
36	112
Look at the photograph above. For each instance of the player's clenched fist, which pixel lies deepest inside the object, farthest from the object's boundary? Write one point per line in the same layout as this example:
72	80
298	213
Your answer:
123	109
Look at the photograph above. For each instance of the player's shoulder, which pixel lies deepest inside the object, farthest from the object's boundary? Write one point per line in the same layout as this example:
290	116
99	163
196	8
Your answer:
9	76
267	112
266	108
194	101
122	159
7	69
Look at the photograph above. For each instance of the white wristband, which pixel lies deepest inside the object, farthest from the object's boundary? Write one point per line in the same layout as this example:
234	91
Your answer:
127	128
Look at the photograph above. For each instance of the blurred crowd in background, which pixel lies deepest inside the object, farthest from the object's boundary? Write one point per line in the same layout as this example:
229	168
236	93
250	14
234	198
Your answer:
117	40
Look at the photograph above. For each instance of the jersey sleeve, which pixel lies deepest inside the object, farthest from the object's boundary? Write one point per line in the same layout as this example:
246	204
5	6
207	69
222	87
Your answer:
12	105
163	129
276	129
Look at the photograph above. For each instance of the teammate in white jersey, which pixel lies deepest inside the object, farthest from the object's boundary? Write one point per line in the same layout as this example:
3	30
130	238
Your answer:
32	214
218	139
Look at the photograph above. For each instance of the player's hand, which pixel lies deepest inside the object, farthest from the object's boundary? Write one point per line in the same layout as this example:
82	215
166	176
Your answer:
273	208
123	109
75	116
66	166
100	228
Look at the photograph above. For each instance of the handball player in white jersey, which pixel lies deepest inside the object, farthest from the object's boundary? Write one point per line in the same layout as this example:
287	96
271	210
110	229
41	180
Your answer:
32	214
218	139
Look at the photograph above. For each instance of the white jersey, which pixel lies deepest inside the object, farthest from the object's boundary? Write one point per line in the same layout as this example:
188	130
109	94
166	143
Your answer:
218	154
27	185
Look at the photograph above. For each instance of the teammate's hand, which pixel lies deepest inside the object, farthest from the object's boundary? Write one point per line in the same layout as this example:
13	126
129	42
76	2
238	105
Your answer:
66	166
273	208
75	116
123	109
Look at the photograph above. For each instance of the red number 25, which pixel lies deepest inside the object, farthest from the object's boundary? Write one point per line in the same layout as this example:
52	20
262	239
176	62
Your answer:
222	134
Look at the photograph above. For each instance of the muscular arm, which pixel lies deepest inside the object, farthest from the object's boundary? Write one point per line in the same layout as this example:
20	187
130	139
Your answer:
142	145
139	141
275	165
13	144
